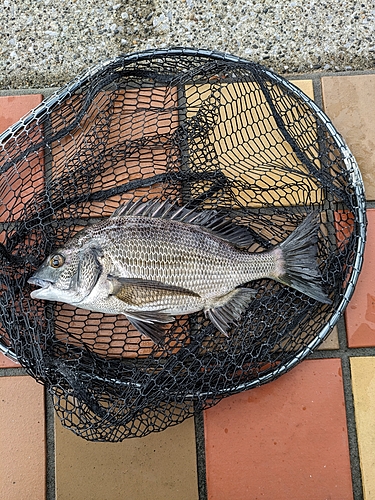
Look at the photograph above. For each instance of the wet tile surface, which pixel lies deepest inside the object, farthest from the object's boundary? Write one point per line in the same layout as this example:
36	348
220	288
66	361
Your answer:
22	439
285	440
363	382
360	313
12	108
349	101
157	467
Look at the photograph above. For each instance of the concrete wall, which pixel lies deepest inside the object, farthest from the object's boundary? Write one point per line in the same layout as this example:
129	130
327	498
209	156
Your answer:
45	43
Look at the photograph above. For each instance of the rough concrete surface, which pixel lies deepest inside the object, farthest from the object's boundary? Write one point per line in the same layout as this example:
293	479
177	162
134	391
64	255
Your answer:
45	43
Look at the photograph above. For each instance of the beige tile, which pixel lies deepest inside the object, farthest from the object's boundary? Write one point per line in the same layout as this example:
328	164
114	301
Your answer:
160	466
249	147
349	101
22	439
306	86
363	382
331	342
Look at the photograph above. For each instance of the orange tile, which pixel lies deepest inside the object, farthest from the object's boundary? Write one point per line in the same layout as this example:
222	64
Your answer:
19	183
131	133
16	188
286	440
127	133
159	466
110	335
360	313
22	439
349	101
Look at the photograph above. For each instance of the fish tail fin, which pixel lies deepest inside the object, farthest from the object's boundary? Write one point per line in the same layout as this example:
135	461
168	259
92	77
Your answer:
298	260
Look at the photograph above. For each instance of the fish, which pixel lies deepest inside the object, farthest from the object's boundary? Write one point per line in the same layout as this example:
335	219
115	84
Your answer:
152	261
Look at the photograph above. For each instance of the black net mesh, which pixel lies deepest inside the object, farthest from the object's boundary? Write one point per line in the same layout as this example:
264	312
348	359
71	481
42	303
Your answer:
193	127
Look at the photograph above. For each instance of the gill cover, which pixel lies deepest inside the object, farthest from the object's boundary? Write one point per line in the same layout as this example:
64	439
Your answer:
88	271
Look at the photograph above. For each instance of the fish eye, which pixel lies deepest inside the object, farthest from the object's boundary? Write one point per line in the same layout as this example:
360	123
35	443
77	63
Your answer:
57	261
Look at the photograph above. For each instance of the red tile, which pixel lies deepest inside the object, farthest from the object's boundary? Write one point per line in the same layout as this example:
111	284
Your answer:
16	188
133	128
14	107
286	440
6	362
344	225
360	313
19	183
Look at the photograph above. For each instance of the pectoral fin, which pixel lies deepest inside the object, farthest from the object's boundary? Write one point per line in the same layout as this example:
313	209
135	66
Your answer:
145	302
138	283
227	309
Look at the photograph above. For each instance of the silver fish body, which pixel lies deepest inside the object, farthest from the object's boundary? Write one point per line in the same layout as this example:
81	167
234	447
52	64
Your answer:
153	261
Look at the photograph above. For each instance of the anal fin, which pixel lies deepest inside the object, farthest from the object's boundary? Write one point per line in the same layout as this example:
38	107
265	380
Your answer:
227	309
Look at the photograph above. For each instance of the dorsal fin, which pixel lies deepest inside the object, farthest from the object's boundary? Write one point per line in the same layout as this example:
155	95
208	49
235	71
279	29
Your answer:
217	223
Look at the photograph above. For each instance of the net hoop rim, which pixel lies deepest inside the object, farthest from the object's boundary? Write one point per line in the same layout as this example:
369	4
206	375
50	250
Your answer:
348	158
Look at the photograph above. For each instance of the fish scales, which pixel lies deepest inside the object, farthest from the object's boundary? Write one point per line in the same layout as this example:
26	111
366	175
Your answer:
180	254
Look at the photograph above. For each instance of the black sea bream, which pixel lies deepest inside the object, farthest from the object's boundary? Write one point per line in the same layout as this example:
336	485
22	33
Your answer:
152	261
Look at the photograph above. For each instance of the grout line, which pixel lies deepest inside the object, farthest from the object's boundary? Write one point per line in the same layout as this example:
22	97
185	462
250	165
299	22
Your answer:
346	353
13	372
322	74
50	446
315	77
317	88
46	92
200	455
351	429
355	352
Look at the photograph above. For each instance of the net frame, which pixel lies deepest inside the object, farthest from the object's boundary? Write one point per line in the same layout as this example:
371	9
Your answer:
359	207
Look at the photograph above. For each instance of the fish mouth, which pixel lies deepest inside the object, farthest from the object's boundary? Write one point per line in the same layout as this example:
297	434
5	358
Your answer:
43	284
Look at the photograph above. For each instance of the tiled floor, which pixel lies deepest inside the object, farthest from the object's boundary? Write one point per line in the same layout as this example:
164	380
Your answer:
310	435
